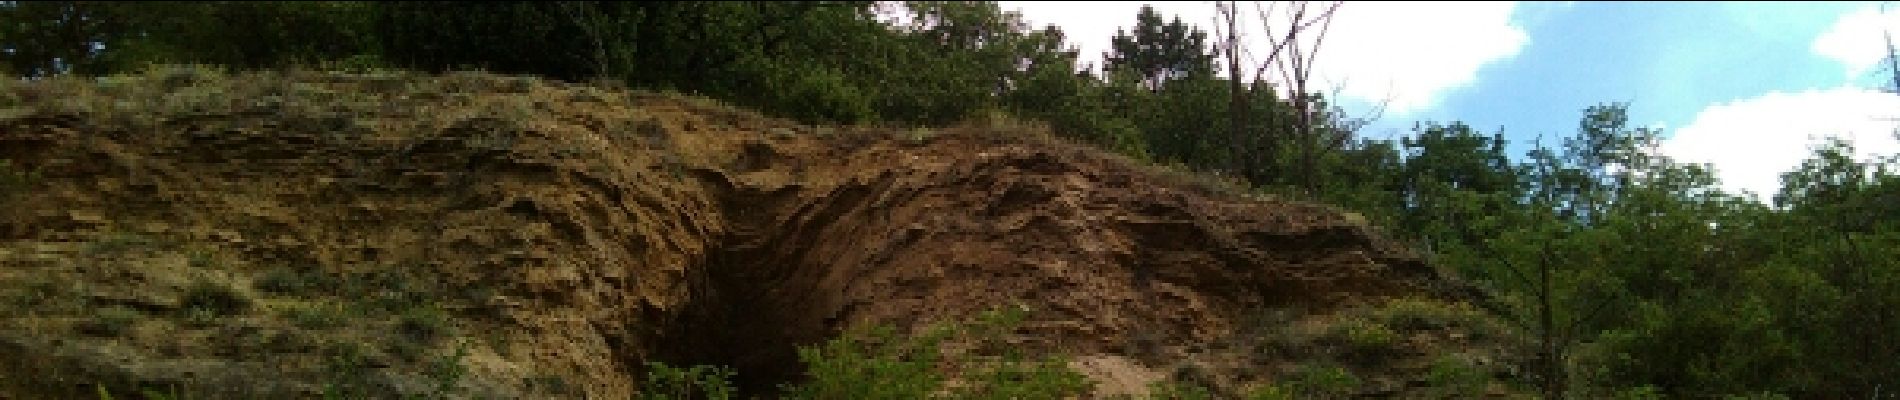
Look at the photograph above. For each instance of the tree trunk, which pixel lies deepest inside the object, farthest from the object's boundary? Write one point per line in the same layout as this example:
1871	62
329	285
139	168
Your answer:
1308	140
1553	363
1239	161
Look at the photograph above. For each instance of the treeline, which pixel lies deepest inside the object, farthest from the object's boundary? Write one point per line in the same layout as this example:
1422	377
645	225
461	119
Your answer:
1630	273
817	62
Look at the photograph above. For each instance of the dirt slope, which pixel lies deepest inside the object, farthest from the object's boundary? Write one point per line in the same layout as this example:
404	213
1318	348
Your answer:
247	235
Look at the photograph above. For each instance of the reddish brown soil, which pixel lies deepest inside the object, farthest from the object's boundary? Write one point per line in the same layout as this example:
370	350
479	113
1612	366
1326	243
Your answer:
581	232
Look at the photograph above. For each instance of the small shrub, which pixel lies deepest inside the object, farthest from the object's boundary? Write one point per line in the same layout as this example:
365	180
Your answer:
1329	381
1455	376
199	317
423	323
384	290
111	321
347	373
1639	393
175	76
1273	392
201	259
356	64
204	302
316	316
697	382
447	371
1410	314
117	242
36	293
1167	390
1014	378
871	364
876	363
1362	339
290	282
546	384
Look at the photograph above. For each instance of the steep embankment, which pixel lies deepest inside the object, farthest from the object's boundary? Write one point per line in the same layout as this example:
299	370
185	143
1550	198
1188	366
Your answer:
266	235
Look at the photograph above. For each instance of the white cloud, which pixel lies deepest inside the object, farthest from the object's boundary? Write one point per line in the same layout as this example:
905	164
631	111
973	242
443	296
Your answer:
1857	40
1418	51
1414	52
1752	141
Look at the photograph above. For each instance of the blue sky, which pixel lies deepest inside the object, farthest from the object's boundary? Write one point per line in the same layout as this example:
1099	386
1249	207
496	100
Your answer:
1668	60
1740	85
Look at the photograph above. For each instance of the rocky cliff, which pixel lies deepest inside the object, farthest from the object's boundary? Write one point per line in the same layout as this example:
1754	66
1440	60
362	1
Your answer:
260	235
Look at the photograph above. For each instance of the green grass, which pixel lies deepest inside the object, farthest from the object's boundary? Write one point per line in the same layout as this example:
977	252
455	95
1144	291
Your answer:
291	282
1408	314
118	242
877	362
697	382
111	321
316	316
1172	390
1452	376
1362	339
1322	381
205	302
423	323
199	258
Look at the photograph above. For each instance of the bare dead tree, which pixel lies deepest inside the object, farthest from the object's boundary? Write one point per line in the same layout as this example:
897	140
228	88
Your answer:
1893	58
1240	163
1346	128
1251	152
1296	69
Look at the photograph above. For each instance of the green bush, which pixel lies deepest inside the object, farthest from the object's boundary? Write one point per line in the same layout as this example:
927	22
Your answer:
290	282
213	298
1166	390
200	259
200	317
447	371
1014	378
1362	339
1278	391
1454	376
1416	314
316	316
697	382
1321	381
877	363
423	323
872	364
346	372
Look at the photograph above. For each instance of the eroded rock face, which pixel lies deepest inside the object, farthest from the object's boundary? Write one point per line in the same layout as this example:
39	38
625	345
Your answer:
571	234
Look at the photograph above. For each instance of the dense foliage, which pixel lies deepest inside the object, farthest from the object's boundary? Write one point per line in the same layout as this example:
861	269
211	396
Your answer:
1635	274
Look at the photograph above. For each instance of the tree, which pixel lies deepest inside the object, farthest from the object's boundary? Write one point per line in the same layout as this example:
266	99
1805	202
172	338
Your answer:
1842	213
1458	187
1159	52
1177	107
43	38
1296	69
1241	161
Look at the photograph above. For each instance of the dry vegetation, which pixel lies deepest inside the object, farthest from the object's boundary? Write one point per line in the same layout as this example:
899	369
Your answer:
299	234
